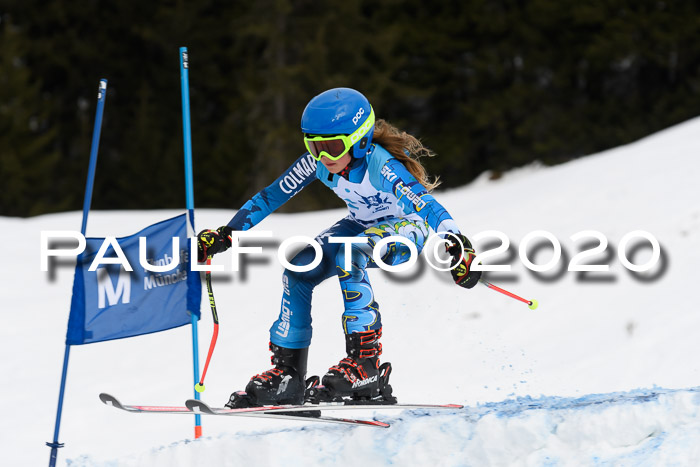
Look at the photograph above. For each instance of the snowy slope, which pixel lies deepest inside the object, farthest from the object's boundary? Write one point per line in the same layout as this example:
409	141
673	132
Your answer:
644	427
610	333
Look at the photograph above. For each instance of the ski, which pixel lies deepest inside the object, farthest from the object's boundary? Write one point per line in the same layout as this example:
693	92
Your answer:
260	412
310	414
192	403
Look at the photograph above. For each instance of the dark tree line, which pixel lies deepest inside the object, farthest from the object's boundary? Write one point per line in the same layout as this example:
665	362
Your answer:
487	84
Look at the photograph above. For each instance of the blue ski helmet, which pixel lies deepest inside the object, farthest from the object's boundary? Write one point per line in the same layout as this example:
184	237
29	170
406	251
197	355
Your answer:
341	111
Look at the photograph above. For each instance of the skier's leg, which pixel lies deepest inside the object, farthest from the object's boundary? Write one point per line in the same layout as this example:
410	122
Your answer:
293	326
290	335
360	375
361	309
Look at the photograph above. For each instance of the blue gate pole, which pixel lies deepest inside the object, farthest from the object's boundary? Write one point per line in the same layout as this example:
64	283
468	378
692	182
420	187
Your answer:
101	94
189	189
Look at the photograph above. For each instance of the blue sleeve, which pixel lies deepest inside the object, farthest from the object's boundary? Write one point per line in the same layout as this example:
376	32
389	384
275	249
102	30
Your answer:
292	181
395	178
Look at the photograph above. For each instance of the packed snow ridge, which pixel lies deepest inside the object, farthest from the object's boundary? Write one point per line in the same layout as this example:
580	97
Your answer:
641	427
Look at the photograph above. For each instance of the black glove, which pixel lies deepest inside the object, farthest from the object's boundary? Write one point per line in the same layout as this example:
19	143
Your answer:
462	257
211	242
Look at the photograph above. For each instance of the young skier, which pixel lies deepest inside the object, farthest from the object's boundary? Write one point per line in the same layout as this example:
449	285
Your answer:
374	169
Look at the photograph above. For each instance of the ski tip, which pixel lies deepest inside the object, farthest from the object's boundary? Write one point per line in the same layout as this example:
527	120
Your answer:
109	399
377	424
198	406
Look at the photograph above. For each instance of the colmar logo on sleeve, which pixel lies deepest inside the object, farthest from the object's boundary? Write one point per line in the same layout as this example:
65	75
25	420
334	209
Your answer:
297	174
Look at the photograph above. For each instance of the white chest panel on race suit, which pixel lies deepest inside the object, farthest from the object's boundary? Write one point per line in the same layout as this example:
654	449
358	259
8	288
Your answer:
366	203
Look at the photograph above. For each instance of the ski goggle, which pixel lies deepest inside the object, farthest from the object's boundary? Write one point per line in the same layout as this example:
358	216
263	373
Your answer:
336	146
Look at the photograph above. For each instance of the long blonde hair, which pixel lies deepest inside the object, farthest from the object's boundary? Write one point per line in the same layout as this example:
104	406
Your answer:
398	143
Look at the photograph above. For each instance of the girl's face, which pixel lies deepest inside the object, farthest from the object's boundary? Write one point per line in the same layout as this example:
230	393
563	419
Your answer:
336	166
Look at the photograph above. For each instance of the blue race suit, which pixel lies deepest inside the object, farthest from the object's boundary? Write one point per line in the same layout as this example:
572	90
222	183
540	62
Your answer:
384	199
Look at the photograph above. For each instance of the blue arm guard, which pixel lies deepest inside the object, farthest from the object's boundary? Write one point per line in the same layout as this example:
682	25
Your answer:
291	182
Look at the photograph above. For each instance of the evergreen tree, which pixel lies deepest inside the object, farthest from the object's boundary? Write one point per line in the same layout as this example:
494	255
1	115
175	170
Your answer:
29	158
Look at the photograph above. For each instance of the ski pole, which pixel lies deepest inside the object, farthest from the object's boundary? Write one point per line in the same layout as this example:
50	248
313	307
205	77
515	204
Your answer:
532	304
199	387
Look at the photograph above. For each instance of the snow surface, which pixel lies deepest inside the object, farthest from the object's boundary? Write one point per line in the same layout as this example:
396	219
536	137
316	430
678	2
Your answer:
604	372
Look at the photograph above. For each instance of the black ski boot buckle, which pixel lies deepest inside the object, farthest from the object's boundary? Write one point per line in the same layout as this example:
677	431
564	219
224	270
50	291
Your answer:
240	400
